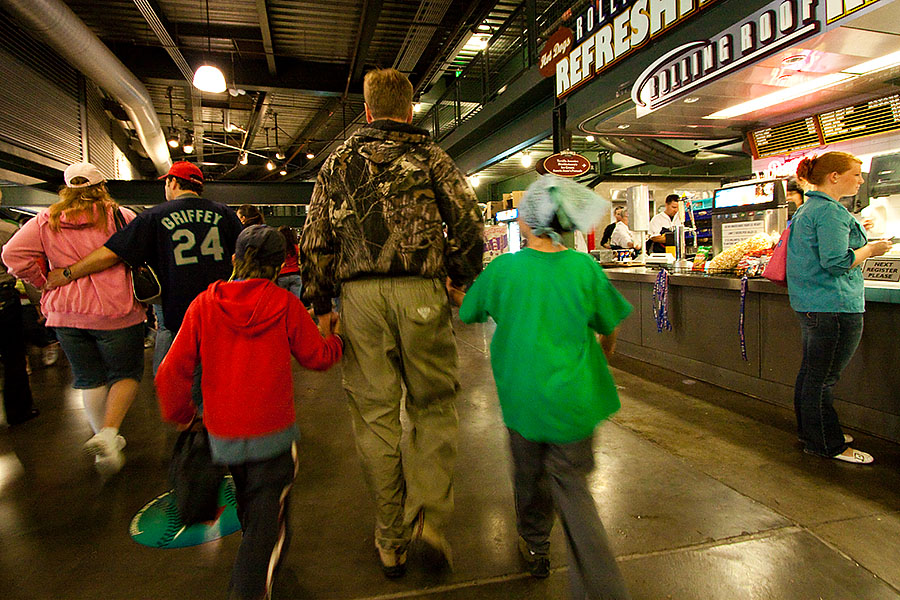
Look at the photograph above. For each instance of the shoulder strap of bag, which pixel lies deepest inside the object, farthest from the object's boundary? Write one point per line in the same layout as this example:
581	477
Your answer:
119	218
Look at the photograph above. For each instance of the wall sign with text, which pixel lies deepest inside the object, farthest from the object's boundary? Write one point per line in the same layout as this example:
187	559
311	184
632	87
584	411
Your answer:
567	164
882	269
777	26
610	30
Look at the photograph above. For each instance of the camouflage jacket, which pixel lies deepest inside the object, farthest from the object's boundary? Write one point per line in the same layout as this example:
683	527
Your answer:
378	209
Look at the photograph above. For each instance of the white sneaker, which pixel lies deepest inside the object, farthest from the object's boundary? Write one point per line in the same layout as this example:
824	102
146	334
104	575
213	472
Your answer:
854	456
50	354
107	451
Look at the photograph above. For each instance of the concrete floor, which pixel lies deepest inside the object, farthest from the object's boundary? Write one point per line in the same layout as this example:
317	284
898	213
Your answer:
705	494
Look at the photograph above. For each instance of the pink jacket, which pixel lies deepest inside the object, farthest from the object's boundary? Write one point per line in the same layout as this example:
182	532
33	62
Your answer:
103	300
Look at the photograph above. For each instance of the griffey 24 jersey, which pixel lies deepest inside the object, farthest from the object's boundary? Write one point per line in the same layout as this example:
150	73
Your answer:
188	241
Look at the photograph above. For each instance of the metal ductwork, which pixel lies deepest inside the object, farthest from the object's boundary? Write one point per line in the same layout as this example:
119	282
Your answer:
647	150
54	23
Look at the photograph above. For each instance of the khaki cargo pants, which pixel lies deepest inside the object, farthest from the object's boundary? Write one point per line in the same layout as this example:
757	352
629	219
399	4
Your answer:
397	335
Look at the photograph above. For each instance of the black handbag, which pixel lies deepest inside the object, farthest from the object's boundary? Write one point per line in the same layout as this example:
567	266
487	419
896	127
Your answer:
144	281
194	477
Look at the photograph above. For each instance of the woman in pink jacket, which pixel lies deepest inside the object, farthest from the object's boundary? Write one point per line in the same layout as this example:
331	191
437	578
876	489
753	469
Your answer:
97	320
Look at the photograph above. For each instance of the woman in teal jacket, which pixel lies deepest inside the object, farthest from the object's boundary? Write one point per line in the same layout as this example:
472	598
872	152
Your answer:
825	251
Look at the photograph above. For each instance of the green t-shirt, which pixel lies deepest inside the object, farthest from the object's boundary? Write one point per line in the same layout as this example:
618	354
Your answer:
552	378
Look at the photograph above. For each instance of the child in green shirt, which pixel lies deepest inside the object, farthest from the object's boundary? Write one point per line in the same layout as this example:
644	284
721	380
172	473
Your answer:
552	377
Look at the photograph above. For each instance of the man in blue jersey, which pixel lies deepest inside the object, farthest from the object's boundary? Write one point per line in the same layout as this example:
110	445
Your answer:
187	240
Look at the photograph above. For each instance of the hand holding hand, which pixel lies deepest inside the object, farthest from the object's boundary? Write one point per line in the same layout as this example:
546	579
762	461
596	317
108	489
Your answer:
455	294
55	279
327	323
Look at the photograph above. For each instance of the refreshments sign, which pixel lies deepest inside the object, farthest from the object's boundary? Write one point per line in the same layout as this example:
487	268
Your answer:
567	164
610	30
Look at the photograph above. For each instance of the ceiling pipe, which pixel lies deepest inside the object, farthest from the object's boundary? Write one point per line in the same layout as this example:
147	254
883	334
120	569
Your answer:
54	23
656	147
647	150
656	158
613	144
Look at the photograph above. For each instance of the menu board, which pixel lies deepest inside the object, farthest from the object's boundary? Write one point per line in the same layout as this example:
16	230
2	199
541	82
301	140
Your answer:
785	138
867	118
849	123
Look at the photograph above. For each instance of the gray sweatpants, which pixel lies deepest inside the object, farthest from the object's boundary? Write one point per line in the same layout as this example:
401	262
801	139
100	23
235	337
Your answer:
555	475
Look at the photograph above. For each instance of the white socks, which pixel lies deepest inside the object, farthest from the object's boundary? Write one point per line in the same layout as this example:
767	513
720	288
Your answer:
95	406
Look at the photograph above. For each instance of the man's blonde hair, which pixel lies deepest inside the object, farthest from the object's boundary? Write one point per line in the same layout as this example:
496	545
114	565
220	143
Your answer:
388	93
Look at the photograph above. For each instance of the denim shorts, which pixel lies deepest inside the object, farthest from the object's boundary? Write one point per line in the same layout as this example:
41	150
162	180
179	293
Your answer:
103	357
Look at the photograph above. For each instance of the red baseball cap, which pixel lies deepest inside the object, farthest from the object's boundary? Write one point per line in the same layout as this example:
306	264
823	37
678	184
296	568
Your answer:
185	170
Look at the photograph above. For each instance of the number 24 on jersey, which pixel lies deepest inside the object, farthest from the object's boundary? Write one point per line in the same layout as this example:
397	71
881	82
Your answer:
185	253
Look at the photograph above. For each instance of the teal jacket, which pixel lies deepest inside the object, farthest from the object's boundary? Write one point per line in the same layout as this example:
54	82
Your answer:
819	256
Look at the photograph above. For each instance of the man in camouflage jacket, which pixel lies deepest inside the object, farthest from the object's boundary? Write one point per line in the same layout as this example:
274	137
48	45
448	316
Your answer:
374	235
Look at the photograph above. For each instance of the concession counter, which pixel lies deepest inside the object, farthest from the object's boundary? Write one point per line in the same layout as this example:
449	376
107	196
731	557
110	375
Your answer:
705	342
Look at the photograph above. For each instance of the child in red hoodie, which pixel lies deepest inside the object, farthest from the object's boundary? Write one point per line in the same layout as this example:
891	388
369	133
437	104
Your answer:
244	332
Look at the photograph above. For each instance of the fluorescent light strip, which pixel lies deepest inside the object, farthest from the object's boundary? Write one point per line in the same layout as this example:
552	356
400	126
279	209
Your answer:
814	85
876	64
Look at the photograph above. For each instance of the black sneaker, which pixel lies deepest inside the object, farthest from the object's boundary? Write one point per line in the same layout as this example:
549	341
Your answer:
538	565
393	562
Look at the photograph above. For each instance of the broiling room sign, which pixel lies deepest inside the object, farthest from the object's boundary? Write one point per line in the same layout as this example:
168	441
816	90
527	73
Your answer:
777	26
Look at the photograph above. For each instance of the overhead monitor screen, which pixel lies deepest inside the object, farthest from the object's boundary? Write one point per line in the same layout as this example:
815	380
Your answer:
745	195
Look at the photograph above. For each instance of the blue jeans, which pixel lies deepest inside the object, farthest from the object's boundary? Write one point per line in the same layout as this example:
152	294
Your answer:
829	341
291	283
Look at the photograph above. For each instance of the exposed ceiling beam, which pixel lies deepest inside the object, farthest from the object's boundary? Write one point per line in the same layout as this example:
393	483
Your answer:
156	19
193	106
474	14
368	21
294	76
266	35
257	116
221	31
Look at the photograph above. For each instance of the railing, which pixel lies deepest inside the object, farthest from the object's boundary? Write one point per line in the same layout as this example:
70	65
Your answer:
490	71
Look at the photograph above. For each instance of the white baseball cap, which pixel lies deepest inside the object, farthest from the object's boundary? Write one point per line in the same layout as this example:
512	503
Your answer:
85	170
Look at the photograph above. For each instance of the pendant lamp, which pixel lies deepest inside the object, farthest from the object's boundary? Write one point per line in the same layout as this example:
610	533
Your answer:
209	78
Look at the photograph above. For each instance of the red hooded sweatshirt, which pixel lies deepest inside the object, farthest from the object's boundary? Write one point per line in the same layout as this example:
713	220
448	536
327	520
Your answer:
244	333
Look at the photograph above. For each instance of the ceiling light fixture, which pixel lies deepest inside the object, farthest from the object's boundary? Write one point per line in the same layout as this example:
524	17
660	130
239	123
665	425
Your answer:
589	138
282	172
876	64
417	107
244	158
279	155
209	78
474	180
782	95
820	83
270	165
172	138
691	99
624	126
188	145
526	159
310	155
